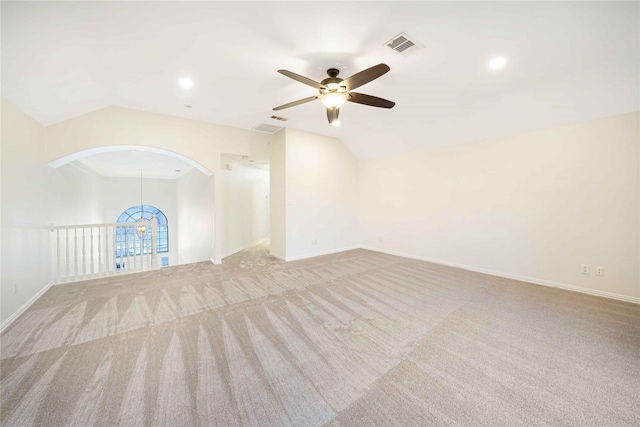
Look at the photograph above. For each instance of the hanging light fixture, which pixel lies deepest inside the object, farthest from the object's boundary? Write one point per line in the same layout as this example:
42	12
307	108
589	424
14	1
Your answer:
141	229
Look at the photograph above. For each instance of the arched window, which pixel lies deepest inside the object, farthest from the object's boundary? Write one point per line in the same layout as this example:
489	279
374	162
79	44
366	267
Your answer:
128	238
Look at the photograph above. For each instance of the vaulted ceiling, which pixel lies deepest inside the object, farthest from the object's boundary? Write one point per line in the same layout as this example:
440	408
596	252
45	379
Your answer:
566	62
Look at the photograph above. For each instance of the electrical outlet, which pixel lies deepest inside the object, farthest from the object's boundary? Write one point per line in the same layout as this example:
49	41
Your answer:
599	271
585	269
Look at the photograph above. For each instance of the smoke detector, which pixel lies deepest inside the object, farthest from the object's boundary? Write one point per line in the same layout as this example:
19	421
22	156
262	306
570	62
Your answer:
403	44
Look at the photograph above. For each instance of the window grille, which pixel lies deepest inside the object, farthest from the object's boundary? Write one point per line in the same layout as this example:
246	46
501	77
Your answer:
128	240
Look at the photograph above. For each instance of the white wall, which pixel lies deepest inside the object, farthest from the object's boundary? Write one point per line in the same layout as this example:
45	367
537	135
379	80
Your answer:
119	194
245	206
74	195
262	222
33	197
195	218
322	195
278	196
536	205
112	126
26	262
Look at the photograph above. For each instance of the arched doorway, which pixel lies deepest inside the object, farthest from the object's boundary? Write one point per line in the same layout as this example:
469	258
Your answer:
187	196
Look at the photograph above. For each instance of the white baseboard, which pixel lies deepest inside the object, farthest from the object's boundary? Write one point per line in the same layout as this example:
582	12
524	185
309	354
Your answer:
533	280
235	251
215	261
280	257
25	306
329	252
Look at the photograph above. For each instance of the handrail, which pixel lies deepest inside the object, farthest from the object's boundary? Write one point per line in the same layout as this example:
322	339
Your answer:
113	224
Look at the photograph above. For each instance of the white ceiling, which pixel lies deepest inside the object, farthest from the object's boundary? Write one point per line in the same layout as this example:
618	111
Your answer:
567	61
128	164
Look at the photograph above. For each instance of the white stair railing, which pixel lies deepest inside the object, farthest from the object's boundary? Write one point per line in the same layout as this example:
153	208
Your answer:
90	251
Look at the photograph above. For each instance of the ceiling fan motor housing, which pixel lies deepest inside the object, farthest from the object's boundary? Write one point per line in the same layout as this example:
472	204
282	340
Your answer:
332	83
333	72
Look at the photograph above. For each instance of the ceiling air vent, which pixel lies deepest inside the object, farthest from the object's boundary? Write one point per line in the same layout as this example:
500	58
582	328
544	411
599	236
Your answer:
266	128
282	119
403	44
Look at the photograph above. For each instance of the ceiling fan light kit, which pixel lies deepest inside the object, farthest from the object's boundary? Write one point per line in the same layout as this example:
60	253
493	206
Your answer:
333	99
334	91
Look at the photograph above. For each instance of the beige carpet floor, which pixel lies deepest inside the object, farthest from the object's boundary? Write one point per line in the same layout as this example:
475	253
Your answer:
353	339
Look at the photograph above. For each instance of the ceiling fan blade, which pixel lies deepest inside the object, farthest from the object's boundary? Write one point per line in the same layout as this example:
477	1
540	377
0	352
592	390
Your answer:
301	79
332	114
365	76
374	101
294	103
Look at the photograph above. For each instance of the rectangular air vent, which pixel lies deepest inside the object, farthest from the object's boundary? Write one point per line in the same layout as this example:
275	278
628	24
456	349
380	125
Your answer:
266	128
403	44
282	119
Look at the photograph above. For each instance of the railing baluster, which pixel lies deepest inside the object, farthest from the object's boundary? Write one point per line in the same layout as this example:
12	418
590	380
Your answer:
119	243
67	253
75	253
135	249
84	254
58	255
106	250
116	246
154	246
143	249
148	251
99	251
126	240
122	237
92	260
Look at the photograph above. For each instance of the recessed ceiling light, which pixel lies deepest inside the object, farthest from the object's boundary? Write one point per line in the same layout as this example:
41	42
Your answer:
336	123
186	83
497	63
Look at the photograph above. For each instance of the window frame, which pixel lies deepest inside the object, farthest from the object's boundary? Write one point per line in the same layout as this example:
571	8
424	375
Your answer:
135	244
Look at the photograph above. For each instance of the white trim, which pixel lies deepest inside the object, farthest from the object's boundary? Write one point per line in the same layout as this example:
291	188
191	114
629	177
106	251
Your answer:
215	261
134	179
86	169
533	280
235	251
110	148
280	257
187	174
25	306
329	252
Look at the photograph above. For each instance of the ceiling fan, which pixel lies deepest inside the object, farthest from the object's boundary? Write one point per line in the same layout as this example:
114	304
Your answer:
334	91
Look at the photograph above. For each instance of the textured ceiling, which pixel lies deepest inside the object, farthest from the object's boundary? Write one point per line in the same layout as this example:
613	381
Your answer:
567	61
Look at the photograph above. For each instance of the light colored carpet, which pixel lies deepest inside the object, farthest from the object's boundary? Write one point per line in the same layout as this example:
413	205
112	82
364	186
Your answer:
357	338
